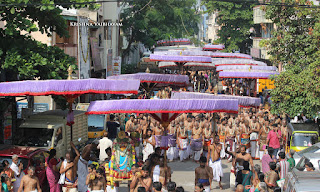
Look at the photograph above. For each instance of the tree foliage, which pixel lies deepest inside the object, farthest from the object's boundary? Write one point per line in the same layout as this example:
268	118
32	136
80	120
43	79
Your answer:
148	22
235	20
19	53
295	45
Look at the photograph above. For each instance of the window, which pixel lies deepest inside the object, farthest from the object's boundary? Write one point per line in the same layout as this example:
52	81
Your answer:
304	139
72	31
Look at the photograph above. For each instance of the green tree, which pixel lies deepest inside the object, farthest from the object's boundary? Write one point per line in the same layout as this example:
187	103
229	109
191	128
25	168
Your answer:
22	56
235	20
295	46
148	22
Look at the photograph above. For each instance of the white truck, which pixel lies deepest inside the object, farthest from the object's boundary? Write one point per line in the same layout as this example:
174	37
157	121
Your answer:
49	130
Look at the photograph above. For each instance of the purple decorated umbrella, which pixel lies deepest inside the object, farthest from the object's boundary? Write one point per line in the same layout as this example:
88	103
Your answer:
181	41
213	47
70	89
180	60
148	81
221	62
246	67
196	52
190	65
164	110
247	74
244	101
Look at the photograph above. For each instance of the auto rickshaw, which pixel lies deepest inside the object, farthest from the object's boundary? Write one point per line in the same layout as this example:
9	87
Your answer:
301	135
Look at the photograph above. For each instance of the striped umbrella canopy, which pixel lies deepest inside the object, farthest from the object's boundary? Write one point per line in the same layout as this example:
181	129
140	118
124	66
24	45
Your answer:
247	74
246	67
190	65
150	80
204	53
213	47
244	101
220	62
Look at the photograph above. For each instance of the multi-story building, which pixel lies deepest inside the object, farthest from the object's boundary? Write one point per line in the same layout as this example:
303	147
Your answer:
213	28
263	31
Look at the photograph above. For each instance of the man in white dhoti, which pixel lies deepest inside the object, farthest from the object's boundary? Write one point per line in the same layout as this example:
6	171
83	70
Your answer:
18	174
255	128
172	141
196	142
214	160
148	144
182	143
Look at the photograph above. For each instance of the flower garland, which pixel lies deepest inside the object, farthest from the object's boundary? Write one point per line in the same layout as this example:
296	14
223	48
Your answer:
115	159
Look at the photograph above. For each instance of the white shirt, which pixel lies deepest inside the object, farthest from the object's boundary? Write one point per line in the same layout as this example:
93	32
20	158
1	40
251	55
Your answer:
15	169
104	144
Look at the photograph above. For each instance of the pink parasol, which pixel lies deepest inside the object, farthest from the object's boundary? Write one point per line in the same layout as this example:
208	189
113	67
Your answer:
243	100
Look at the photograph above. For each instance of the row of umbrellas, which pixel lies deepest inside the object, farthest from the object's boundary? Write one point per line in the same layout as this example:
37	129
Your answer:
229	65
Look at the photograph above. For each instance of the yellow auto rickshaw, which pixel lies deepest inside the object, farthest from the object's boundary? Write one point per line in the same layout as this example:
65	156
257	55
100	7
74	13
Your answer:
301	135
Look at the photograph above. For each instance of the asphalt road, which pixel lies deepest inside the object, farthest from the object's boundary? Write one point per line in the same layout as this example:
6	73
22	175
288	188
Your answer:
183	175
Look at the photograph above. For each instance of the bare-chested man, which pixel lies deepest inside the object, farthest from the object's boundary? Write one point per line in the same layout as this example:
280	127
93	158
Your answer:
97	182
171	154
141	179
182	142
263	134
214	160
244	135
243	156
129	124
30	183
189	124
157	132
230	136
161	173
254	132
69	168
196	142
148	143
203	174
207	137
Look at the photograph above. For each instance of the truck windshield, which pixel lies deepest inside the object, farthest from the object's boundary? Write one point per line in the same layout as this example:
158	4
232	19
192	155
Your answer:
37	137
95	123
304	139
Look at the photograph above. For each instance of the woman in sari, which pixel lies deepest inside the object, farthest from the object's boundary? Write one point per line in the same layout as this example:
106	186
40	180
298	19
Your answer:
10	175
53	172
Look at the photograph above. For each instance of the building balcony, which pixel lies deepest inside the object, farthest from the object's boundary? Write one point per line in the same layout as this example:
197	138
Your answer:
257	51
259	16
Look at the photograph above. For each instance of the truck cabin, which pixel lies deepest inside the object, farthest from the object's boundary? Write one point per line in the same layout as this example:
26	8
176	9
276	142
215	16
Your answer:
302	135
38	134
